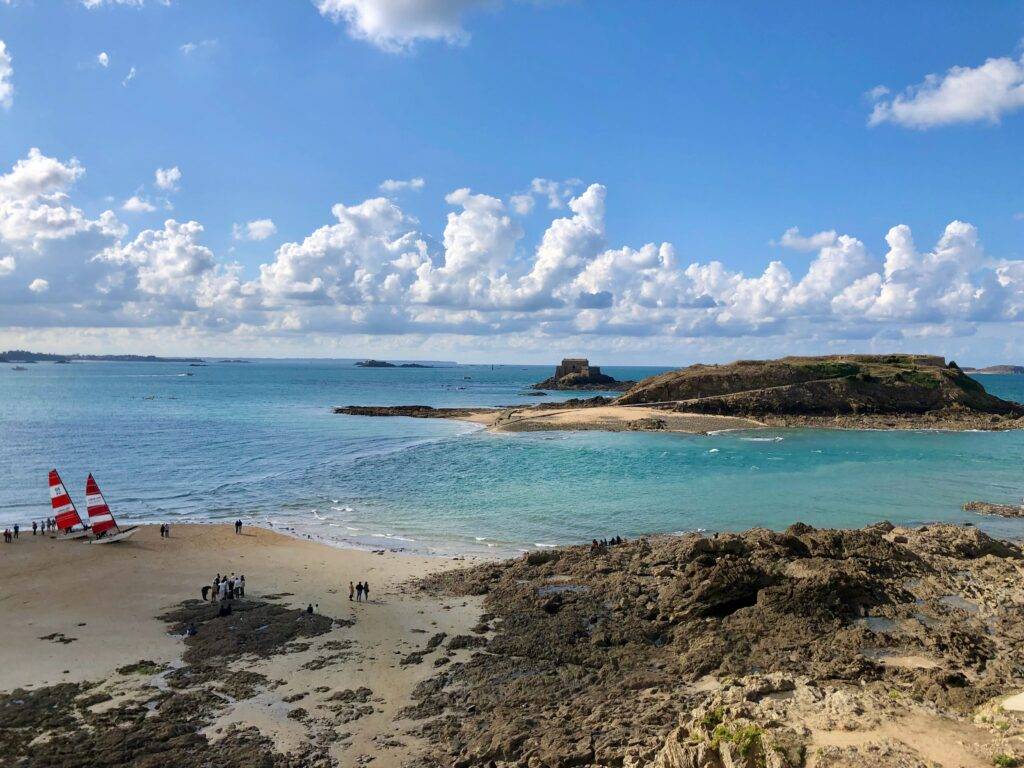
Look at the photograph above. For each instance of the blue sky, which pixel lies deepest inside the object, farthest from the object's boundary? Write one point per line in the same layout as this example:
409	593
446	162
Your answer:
711	128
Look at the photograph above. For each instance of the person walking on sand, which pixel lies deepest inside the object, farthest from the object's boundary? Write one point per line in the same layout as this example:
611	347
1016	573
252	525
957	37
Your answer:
359	592
351	591
33	527
16	528
366	591
238	526
240	586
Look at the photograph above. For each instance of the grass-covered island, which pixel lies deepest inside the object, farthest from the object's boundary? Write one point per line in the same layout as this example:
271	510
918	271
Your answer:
837	391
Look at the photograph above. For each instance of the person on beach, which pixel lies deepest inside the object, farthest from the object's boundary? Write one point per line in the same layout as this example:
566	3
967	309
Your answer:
161	530
351	591
33	527
309	608
206	593
16	528
240	586
366	591
359	592
167	530
238	526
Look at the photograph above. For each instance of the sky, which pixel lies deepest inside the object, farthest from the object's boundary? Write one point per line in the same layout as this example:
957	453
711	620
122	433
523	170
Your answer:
512	180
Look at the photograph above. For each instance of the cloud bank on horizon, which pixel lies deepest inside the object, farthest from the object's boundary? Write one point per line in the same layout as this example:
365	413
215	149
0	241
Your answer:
373	270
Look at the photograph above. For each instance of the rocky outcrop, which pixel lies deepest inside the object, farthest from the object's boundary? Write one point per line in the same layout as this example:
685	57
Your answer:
412	411
1000	510
828	387
730	650
375	364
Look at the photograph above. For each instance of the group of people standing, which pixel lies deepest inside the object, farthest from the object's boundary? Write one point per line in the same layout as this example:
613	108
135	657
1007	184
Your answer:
225	588
597	546
40	527
359	592
165	531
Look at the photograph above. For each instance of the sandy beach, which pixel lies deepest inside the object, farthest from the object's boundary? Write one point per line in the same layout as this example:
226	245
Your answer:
83	612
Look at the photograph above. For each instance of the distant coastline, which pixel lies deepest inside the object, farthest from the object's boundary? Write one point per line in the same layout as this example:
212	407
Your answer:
24	356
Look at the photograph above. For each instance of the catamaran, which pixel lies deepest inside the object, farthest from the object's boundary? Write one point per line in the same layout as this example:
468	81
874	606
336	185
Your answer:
104	527
69	522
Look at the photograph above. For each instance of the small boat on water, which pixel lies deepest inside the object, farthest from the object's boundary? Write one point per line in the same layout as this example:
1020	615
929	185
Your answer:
104	527
19	368
69	522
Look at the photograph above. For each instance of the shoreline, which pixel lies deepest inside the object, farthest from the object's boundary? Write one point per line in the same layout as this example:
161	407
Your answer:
658	418
825	647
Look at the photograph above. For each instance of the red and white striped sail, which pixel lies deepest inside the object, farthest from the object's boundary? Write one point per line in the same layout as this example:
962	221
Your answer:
64	511
99	513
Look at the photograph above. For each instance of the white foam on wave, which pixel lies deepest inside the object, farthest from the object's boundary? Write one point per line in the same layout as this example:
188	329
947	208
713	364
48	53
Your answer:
318	516
762	439
542	545
713	450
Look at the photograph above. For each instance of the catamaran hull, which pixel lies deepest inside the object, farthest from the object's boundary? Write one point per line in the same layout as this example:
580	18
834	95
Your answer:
73	535
110	538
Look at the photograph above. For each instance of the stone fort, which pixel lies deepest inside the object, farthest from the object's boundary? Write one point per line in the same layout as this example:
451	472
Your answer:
578	365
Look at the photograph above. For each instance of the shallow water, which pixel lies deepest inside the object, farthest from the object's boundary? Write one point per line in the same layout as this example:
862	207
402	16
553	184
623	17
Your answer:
258	441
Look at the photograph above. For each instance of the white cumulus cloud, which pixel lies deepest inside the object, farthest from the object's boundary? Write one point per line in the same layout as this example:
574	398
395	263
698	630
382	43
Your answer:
6	77
962	95
375	270
167	179
258	229
395	25
792	239
136	204
103	59
39	285
400	185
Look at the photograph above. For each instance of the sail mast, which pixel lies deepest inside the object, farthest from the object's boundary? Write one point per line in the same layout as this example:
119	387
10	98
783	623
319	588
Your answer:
64	511
99	513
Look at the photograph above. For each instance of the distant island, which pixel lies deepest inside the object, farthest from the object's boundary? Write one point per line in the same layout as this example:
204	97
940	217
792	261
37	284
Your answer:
899	391
1005	370
577	374
233	361
24	356
385	364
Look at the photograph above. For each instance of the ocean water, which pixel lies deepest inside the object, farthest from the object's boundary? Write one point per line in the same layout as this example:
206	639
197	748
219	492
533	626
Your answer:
258	441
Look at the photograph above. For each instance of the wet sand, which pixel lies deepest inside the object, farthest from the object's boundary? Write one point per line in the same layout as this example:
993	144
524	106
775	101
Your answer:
76	612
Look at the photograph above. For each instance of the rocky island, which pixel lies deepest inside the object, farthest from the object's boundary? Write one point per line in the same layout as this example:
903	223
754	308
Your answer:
836	392
1005	370
999	510
385	364
576	373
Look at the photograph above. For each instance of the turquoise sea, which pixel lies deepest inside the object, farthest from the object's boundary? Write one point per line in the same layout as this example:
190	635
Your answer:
259	441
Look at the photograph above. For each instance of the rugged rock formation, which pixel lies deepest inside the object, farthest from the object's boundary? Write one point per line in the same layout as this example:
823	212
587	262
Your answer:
413	411
1000	510
827	387
737	650
579	374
